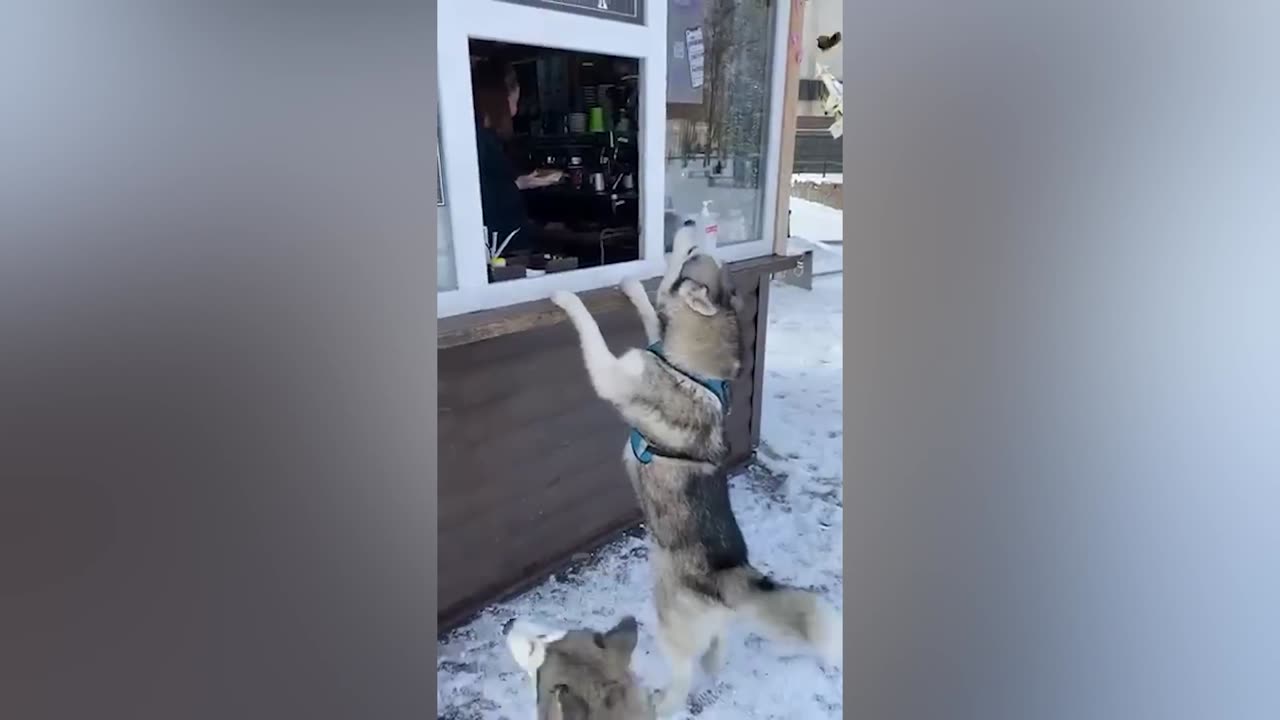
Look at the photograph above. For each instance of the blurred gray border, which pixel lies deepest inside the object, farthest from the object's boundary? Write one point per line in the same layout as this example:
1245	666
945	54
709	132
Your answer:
1063	335
217	361
430	375
849	397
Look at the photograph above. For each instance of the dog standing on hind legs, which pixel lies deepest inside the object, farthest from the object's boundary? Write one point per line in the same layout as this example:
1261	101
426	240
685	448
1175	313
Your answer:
674	394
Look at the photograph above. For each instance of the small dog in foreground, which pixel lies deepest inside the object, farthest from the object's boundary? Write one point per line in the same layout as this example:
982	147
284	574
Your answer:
580	674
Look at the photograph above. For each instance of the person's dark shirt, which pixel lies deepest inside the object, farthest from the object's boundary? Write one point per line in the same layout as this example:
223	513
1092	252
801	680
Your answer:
500	199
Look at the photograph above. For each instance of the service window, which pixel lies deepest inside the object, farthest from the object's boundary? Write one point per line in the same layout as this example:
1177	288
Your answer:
556	140
575	140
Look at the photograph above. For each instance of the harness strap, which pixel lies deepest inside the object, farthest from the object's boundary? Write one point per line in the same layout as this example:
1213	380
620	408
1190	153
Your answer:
718	387
644	450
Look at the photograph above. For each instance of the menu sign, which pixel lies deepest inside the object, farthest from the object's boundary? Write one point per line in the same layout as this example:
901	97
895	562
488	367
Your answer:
694	49
628	11
687	38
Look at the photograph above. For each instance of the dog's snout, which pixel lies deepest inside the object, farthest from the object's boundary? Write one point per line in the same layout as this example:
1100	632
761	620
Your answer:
506	627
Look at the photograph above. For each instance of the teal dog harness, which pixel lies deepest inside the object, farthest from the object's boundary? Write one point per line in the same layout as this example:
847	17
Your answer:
640	445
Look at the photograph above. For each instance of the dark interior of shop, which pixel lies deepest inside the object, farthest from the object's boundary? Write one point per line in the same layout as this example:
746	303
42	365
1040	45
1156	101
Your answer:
576	122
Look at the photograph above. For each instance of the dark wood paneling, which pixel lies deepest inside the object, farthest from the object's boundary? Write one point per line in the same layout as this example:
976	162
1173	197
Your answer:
739	421
530	458
761	338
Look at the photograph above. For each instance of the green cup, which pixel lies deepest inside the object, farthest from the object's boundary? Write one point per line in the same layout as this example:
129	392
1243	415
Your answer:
596	122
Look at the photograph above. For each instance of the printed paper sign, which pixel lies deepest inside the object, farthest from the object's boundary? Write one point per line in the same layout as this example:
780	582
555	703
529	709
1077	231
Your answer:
684	16
697	55
693	38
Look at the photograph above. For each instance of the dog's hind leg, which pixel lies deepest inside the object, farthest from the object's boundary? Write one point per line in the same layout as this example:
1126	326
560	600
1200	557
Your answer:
713	659
786	612
680	645
689	630
648	316
612	377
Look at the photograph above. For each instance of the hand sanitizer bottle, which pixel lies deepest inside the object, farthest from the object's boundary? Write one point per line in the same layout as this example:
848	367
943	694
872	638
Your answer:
710	228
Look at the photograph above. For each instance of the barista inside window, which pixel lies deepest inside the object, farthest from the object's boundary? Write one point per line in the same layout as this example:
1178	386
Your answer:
496	96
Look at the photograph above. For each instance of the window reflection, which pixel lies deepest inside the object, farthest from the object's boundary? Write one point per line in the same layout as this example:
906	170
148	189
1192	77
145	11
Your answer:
718	80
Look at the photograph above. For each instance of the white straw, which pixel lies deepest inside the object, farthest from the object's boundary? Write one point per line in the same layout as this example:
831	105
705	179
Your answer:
503	246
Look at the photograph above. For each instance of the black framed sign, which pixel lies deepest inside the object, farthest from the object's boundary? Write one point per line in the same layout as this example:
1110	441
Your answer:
628	11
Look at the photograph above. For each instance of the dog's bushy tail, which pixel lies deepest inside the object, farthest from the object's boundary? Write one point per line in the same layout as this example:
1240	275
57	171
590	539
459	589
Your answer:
785	611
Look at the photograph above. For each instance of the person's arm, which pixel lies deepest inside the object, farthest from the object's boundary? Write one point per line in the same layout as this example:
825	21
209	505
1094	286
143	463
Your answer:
539	178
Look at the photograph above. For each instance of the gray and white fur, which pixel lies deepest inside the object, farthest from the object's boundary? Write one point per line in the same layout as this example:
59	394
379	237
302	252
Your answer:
703	577
580	674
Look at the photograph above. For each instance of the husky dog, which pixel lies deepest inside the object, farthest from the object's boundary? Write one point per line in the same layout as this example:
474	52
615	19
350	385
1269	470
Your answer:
580	674
675	396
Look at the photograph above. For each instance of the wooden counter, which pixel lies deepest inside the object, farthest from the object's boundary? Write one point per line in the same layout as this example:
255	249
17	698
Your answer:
530	459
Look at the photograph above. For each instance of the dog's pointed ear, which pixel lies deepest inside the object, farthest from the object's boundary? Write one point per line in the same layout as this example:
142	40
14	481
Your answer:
528	643
568	706
622	639
697	297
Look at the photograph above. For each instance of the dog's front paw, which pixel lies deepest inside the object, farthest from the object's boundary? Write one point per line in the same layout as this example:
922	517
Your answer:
631	287
684	244
566	300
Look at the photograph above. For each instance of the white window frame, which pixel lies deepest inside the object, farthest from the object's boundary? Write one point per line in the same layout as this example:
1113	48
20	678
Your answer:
459	21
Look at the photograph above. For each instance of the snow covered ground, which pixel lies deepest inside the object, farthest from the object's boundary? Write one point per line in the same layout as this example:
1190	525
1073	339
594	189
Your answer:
790	506
815	221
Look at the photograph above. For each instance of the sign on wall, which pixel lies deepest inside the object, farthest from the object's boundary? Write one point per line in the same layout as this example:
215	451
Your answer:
628	11
696	52
686	34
